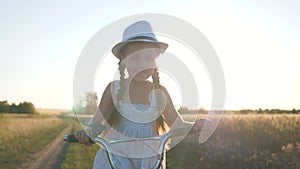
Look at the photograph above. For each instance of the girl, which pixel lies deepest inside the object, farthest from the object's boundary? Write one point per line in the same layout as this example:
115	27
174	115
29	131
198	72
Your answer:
134	106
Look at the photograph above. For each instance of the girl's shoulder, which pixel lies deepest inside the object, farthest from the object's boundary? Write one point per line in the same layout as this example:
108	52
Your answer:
113	85
114	82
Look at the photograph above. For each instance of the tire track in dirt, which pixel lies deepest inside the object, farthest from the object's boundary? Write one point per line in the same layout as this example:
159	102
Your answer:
50	157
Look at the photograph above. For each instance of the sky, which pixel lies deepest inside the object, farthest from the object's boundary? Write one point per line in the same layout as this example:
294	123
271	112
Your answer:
257	43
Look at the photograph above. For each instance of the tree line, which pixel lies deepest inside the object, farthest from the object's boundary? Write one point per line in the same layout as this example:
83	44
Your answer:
21	108
268	111
186	110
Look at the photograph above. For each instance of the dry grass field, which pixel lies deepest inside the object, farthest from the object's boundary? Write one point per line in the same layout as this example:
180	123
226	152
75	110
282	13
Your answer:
23	135
245	142
239	142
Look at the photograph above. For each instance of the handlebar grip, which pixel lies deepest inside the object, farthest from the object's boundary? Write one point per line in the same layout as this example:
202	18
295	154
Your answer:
70	138
186	130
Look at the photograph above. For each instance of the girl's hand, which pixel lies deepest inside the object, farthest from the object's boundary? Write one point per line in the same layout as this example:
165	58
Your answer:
83	138
198	125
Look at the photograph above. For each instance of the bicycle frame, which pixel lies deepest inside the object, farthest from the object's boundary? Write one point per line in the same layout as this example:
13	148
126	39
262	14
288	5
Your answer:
162	138
107	145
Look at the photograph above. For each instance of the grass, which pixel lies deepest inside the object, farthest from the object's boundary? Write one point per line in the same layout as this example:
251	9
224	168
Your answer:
246	142
78	155
23	135
239	142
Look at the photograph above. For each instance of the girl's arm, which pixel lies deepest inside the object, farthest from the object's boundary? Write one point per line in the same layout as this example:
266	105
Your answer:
172	117
103	110
174	120
105	106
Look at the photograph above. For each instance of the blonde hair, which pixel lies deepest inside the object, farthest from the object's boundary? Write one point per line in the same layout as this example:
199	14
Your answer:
115	115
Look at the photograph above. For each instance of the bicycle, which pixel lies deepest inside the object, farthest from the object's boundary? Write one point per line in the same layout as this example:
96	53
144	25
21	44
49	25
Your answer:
107	144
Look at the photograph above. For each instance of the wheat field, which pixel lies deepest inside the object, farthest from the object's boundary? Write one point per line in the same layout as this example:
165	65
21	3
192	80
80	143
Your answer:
245	142
239	142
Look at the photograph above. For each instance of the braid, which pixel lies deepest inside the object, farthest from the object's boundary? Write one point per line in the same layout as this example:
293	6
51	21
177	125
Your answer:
115	116
121	90
156	83
155	78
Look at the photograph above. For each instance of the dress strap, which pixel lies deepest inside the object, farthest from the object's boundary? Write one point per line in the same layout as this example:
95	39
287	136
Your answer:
114	91
116	86
153	98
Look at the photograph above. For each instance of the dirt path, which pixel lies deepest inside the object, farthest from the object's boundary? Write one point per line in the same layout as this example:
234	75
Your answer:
50	157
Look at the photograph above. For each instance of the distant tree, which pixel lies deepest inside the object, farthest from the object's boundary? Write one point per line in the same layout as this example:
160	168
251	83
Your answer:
183	110
87	104
26	107
13	108
277	111
4	106
246	111
92	102
259	111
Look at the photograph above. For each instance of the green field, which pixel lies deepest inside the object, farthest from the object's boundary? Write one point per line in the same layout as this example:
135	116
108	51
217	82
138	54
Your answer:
240	141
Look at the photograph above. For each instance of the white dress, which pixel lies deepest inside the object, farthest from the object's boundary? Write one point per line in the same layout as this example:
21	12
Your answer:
134	123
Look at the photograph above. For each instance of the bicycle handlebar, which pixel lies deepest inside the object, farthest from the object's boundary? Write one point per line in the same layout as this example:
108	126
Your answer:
175	132
107	143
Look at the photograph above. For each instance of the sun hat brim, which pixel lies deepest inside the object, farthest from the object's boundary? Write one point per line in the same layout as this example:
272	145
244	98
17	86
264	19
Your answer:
118	47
